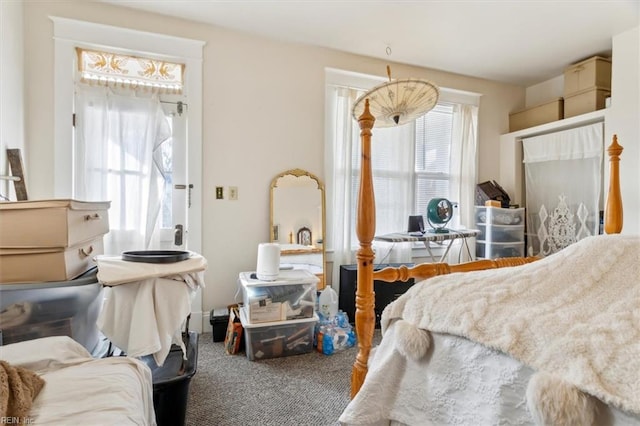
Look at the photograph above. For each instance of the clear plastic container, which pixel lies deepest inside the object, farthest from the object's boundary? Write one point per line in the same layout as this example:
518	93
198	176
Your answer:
279	338
291	296
55	308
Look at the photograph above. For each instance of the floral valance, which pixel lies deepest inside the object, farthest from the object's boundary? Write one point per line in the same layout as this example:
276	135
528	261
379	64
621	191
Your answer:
113	69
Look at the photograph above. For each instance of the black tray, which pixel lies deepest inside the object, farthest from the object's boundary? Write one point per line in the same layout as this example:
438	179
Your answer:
155	256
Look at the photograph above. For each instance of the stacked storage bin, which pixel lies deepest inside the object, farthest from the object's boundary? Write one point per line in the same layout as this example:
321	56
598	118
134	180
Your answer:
50	240
278	316
501	232
48	280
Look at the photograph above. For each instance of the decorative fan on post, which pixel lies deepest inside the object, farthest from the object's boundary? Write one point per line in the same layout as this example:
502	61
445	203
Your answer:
439	213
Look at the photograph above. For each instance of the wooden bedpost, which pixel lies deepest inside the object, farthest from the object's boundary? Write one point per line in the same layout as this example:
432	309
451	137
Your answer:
365	229
613	206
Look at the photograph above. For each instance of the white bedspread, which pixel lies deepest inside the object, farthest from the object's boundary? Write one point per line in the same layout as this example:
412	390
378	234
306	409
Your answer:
460	383
81	390
575	315
145	310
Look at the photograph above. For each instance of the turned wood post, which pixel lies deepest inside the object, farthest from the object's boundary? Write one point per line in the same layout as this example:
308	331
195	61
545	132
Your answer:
365	229
613	206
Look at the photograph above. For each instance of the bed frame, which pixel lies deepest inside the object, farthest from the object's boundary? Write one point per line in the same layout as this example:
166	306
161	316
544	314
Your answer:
365	230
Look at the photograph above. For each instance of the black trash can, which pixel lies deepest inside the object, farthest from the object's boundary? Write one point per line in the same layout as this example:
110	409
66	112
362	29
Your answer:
219	320
171	382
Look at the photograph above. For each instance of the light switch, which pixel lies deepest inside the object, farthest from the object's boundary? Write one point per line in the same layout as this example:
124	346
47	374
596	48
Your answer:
233	192
219	193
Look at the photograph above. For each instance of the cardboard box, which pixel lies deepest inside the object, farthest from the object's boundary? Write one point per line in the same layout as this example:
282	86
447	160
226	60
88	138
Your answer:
591	73
534	116
51	223
48	264
586	101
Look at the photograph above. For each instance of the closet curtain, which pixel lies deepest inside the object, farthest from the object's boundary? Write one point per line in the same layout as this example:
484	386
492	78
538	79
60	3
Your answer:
563	181
118	158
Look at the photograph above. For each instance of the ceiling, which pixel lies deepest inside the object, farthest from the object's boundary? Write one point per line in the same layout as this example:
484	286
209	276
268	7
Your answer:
522	42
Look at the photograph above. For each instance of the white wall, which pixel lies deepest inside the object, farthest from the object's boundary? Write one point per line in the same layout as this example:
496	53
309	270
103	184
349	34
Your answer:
544	92
263	114
623	119
11	88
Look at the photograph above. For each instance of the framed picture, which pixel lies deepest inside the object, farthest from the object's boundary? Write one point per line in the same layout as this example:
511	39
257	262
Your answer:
304	236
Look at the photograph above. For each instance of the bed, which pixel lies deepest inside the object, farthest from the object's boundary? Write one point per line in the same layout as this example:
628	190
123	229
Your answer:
504	341
79	389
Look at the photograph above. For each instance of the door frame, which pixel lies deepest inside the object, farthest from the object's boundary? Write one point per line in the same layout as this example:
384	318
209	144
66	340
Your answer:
180	191
69	34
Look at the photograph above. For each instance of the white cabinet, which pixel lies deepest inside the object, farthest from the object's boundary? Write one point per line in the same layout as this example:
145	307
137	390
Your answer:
501	232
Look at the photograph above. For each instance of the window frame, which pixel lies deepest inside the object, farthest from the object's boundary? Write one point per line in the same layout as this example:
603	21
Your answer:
353	80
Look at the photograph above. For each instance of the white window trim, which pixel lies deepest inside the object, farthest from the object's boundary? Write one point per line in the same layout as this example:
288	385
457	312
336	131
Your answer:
67	34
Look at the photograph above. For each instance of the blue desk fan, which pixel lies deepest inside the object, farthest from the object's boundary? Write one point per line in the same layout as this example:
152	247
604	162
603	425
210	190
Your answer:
439	213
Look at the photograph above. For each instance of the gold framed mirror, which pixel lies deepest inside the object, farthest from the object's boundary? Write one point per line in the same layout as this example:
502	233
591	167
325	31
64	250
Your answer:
297	221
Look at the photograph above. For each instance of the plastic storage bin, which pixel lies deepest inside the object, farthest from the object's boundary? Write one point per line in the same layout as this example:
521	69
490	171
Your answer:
501	232
64	308
171	382
292	296
279	338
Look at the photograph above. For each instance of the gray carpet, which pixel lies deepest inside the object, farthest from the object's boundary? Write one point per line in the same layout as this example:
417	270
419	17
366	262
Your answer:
229	390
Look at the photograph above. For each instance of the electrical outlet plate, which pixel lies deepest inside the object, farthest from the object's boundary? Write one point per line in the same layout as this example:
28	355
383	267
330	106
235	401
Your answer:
233	192
219	193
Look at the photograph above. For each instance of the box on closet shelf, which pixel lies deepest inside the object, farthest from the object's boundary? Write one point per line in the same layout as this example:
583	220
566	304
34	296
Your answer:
592	73
588	100
547	112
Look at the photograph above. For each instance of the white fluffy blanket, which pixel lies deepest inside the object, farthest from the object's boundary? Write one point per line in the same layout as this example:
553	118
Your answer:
575	314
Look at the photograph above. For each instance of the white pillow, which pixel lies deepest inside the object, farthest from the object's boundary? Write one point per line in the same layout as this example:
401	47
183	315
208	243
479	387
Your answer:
45	354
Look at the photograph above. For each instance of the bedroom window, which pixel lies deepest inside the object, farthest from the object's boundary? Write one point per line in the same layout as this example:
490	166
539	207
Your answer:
432	170
433	157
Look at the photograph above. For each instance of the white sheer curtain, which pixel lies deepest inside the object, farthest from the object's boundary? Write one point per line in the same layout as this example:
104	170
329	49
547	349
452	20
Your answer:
341	147
392	156
463	169
563	179
118	158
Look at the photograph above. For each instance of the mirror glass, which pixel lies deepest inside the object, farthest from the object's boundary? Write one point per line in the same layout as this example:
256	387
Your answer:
298	221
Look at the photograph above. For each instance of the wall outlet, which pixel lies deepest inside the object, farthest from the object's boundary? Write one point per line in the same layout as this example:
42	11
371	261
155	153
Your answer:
233	192
219	193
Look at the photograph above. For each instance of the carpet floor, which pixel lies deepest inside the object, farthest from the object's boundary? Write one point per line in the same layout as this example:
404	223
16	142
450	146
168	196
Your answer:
229	390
